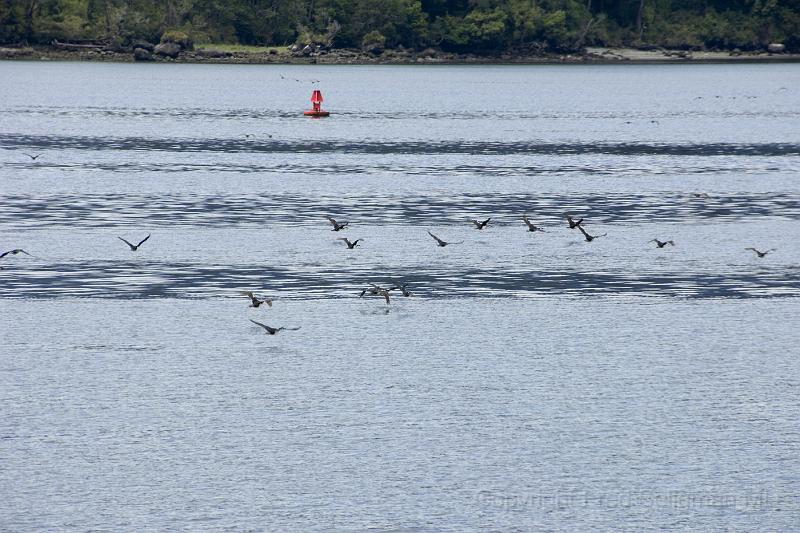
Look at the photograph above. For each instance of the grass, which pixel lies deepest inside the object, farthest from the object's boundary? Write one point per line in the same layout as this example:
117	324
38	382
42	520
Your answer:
241	48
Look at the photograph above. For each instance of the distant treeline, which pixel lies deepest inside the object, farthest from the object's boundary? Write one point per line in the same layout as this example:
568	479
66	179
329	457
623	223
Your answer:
455	25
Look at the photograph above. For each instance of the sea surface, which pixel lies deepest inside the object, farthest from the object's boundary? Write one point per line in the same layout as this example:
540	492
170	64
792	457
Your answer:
533	381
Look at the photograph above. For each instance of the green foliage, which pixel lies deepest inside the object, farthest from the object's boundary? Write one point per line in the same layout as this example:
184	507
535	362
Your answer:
373	39
463	25
175	36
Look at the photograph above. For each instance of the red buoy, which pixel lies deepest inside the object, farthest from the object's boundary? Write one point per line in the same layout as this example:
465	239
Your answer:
316	106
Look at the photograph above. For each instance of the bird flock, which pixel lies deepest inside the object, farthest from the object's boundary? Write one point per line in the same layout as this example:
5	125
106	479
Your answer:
385	292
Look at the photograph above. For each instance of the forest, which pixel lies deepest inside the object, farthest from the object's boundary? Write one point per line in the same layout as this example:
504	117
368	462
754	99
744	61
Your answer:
478	26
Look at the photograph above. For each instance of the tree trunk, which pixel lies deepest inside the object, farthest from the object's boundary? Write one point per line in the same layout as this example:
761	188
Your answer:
30	9
640	19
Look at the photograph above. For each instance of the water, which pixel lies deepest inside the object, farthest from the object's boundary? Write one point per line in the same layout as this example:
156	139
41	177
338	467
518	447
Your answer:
532	381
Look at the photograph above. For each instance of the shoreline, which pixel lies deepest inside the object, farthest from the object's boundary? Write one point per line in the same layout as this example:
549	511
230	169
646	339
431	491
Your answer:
592	55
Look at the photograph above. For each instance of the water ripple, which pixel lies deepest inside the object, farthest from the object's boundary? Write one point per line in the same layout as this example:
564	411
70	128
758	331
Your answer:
61	142
124	279
104	210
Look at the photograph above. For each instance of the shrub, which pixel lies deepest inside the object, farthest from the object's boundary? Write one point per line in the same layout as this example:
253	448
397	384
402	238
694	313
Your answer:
373	41
177	37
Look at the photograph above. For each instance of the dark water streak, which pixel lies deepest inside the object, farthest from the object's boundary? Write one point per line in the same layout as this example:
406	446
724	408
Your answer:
226	145
110	210
151	279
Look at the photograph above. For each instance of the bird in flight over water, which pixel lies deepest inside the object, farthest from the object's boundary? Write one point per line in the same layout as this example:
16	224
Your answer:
372	290
255	302
273	331
480	225
761	254
15	251
403	289
531	225
442	243
349	244
590	238
572	223
662	244
134	247
375	290
336	225
34	157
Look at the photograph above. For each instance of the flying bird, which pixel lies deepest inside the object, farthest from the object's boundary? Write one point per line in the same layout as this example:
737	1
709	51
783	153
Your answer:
403	289
336	225
760	254
442	243
255	302
273	331
480	225
531	226
662	244
136	246
376	290
349	244
572	223
383	292
590	238
15	251
372	290
34	157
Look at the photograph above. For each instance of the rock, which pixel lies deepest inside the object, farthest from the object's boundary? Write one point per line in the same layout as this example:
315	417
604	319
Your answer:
294	48
373	48
140	54
273	52
776	48
144	45
15	52
307	50
168	49
178	37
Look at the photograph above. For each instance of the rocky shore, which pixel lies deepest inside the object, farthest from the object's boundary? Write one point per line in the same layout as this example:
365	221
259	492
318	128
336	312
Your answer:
175	53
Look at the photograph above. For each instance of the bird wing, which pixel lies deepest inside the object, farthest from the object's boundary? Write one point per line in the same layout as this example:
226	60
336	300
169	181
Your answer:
126	242
343	239
385	294
583	231
332	221
440	241
292	329
486	221
268	302
266	327
4	254
751	248
142	241
26	253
